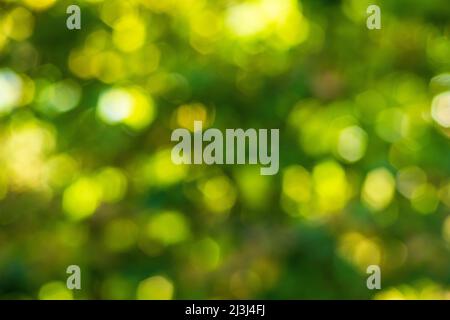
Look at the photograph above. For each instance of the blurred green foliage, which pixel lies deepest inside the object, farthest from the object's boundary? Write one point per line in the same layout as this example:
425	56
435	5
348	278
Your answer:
86	176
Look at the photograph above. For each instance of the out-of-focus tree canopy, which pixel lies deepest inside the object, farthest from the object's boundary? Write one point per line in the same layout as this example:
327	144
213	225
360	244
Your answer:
86	176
